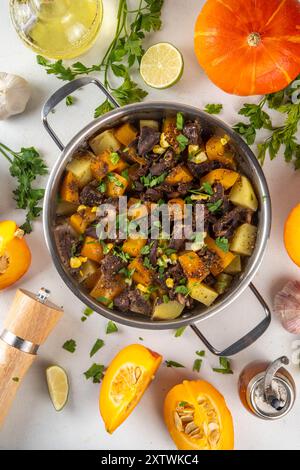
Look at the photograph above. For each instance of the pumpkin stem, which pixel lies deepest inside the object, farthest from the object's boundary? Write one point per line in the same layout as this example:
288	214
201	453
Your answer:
254	39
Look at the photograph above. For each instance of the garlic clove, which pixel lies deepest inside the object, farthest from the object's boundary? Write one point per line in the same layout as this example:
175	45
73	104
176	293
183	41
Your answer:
287	306
14	94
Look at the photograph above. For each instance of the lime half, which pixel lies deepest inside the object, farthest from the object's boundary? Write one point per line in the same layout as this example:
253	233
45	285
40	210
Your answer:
161	65
58	386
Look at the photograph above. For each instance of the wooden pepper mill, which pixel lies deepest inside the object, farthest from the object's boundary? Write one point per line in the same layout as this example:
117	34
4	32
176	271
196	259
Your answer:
30	320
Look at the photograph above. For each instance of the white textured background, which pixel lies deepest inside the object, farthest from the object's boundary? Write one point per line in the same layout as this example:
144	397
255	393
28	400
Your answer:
33	423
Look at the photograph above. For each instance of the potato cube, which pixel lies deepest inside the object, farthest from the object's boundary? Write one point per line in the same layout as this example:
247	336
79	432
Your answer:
243	240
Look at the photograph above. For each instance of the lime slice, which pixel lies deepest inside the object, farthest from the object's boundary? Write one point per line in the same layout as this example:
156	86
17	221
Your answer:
58	386
161	65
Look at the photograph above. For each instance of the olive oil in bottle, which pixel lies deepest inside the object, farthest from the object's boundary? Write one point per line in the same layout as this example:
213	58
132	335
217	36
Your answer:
58	29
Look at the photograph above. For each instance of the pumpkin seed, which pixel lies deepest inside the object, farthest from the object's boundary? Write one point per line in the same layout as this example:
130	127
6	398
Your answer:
178	422
190	427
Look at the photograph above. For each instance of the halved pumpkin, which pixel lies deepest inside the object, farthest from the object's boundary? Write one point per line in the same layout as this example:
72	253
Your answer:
197	417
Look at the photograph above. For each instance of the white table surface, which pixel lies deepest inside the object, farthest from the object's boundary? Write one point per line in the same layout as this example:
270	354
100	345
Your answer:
32	422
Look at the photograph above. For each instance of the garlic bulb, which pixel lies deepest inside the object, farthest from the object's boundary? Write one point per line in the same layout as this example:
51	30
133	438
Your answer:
14	94
287	306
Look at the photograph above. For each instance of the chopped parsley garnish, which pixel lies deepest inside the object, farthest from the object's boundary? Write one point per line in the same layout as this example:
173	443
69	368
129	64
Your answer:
179	332
103	300
183	141
105	248
225	366
141	339
214	206
197	365
125	174
166	299
179	121
200	353
207	188
86	313
16	379
102	187
98	345
95	372
151	181
70	345
173	364
114	158
70	100
147	263
182	403
111	327
213	108
182	290
223	244
145	250
113	179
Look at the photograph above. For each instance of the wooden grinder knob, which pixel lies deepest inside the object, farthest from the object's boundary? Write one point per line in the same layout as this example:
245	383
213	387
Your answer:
30	320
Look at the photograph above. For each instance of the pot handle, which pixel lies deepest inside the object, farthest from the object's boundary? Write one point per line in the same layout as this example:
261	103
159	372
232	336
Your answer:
246	340
62	93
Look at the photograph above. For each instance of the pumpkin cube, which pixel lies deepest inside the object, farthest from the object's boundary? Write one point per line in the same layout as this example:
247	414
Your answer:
92	249
69	190
126	133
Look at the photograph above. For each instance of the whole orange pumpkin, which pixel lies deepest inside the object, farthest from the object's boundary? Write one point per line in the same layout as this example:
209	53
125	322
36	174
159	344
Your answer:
249	47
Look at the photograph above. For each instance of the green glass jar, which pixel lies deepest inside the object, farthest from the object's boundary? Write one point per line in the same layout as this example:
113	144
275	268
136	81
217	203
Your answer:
58	29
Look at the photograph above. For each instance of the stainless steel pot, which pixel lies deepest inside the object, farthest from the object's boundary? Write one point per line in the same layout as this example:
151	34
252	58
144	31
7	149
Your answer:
248	164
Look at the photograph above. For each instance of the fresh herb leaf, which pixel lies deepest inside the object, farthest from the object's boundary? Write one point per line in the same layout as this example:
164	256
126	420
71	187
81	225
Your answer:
173	364
70	100
98	345
166	299
145	250
111	327
183	403
114	158
214	206
104	108
197	365
179	332
207	188
223	244
95	372
179	121
225	366
182	290
125	174
213	108
70	345
87	313
25	166
112	178
141	339
183	141
151	181
102	299
200	353
102	187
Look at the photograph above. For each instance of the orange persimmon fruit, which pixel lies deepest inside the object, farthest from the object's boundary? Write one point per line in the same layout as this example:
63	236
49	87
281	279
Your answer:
292	235
197	417
125	381
249	48
15	256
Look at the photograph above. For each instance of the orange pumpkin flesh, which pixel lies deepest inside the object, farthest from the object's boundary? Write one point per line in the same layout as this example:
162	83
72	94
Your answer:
15	256
249	48
125	381
292	235
197	417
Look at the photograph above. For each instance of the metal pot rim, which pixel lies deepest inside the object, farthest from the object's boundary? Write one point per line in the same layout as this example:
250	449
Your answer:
264	226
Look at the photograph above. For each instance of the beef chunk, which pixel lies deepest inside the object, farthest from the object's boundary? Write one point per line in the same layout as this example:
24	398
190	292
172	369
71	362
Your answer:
138	303
200	169
192	131
153	195
111	265
90	196
226	225
153	253
208	257
175	272
122	301
147	139
183	188
165	163
177	244
66	242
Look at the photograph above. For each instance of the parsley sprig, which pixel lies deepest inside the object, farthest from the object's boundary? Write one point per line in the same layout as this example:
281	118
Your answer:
123	54
25	166
281	137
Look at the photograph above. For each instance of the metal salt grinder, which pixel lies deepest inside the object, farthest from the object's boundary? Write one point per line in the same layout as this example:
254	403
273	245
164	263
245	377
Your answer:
267	390
30	320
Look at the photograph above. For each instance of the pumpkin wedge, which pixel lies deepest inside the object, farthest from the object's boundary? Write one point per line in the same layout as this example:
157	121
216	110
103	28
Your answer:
125	381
